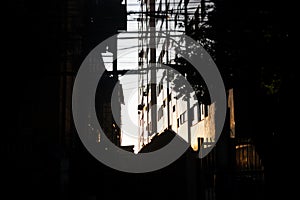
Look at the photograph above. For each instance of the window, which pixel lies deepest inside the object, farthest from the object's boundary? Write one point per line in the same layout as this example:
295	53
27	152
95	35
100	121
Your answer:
174	108
150	127
160	112
205	110
159	88
183	118
199	112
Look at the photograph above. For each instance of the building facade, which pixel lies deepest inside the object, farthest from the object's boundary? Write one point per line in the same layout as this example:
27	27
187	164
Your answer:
162	106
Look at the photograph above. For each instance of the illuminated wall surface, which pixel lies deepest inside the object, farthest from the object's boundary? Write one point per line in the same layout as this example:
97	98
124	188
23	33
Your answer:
172	112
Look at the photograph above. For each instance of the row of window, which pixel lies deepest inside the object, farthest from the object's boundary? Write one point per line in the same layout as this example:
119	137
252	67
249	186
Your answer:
182	119
196	113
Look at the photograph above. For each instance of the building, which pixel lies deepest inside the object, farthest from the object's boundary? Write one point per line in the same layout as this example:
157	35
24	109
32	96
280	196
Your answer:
163	109
161	106
108	121
83	26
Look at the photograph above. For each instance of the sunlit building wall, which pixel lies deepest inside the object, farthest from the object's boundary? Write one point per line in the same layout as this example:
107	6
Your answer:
170	18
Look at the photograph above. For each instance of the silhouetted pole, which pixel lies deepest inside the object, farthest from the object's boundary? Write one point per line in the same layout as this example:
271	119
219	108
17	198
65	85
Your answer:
200	141
191	157
115	56
167	70
153	68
